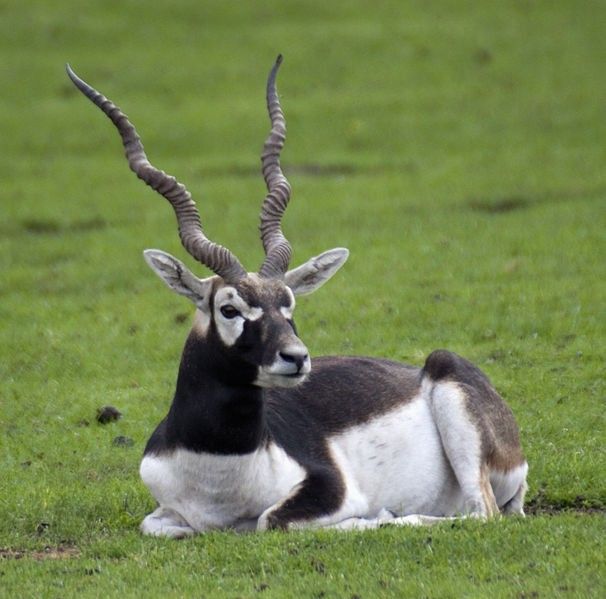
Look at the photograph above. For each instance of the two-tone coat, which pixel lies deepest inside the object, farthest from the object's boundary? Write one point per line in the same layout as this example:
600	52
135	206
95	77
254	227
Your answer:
260	436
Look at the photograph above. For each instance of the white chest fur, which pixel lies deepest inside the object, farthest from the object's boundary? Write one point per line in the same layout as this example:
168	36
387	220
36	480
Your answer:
214	491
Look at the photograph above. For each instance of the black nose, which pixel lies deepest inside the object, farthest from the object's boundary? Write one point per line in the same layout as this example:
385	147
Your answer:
297	359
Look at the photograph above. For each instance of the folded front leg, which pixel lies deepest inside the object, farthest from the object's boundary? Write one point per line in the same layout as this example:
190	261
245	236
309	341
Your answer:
165	522
315	502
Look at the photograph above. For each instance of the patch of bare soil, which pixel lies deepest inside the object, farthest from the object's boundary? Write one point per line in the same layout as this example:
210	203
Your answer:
60	552
539	505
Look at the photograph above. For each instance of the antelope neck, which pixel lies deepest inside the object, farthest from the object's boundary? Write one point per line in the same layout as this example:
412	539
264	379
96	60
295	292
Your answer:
211	413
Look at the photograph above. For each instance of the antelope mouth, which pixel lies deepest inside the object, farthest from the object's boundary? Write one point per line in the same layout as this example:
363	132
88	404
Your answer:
298	377
274	379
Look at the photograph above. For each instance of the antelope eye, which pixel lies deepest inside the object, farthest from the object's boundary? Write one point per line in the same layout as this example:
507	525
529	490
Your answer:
229	311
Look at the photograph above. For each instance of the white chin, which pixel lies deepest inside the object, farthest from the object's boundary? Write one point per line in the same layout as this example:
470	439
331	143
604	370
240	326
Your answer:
268	380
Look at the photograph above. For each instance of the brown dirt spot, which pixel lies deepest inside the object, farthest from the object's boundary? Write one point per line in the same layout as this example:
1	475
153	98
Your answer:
59	552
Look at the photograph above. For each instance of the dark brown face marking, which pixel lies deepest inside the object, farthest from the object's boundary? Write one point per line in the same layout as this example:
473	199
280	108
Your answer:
264	293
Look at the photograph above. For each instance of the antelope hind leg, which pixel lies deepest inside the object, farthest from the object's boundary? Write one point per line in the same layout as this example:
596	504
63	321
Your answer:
461	439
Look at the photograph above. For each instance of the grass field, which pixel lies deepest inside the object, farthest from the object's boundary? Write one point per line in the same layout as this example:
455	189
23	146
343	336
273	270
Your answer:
457	148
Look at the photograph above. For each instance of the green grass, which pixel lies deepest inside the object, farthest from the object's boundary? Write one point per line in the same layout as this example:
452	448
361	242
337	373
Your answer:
449	561
456	148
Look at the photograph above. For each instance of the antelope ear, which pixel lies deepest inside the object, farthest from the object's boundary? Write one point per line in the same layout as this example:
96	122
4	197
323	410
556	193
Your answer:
316	271
179	278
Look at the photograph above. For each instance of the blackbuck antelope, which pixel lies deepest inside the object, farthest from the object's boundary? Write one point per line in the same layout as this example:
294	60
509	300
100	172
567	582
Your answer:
261	436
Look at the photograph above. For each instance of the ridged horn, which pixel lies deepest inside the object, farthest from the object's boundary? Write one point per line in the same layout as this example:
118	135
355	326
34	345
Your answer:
216	257
277	248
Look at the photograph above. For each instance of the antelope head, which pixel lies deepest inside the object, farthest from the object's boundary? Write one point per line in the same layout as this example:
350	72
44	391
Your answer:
247	317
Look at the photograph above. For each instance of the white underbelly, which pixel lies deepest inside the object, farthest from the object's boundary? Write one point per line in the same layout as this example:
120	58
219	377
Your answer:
216	491
396	461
